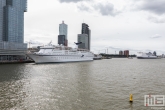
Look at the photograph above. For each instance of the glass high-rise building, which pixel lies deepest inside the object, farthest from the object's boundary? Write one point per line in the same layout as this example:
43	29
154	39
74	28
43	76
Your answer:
86	30
12	20
12	46
63	32
2	5
84	39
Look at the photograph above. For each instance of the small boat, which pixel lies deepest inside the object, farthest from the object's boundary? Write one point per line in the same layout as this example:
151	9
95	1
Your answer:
108	58
97	57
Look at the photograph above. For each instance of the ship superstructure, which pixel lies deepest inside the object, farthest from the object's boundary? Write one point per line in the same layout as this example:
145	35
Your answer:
149	55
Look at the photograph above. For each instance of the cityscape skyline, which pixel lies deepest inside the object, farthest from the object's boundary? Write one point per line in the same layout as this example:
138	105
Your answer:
117	25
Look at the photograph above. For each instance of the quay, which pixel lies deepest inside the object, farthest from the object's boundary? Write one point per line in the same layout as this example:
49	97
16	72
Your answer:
16	62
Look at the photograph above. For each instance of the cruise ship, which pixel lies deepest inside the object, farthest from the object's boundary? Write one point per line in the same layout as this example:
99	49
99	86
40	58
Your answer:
58	54
149	55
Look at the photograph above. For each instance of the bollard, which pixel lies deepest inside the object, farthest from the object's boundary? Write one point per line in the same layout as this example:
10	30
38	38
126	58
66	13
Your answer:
131	98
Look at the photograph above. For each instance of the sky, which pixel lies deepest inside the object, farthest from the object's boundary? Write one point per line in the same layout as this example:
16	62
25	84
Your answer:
136	25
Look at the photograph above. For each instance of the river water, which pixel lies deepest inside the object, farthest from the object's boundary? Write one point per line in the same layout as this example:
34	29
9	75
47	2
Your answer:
96	85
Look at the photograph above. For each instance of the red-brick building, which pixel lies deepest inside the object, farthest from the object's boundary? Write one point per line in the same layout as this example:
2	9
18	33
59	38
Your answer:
126	52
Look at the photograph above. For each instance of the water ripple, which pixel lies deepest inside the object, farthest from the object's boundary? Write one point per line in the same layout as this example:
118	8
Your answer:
97	85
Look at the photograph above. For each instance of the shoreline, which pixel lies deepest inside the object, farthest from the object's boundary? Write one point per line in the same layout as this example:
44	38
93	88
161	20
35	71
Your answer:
15	62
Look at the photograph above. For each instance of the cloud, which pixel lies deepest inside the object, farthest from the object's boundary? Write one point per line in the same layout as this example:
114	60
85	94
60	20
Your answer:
105	9
83	7
156	36
156	19
153	6
74	1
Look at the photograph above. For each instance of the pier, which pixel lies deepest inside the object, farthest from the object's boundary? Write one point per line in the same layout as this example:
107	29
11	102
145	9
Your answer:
16	61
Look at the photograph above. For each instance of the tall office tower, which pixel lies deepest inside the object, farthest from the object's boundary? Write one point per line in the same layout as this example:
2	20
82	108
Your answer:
63	32
86	30
84	39
61	39
12	20
2	4
120	52
89	40
12	29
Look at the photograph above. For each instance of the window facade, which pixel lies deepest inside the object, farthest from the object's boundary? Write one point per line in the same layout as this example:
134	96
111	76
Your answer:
63	31
12	20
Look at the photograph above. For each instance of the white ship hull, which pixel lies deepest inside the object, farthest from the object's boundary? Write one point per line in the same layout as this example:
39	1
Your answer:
58	59
147	57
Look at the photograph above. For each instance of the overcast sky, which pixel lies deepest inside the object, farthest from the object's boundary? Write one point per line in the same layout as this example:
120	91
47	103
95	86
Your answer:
137	25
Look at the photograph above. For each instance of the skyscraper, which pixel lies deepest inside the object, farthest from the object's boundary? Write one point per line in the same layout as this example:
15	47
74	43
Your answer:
12	29
12	20
63	32
2	5
84	39
86	30
120	52
61	40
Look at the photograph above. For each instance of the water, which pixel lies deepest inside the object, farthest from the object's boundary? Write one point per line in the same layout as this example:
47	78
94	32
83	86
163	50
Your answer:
96	85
